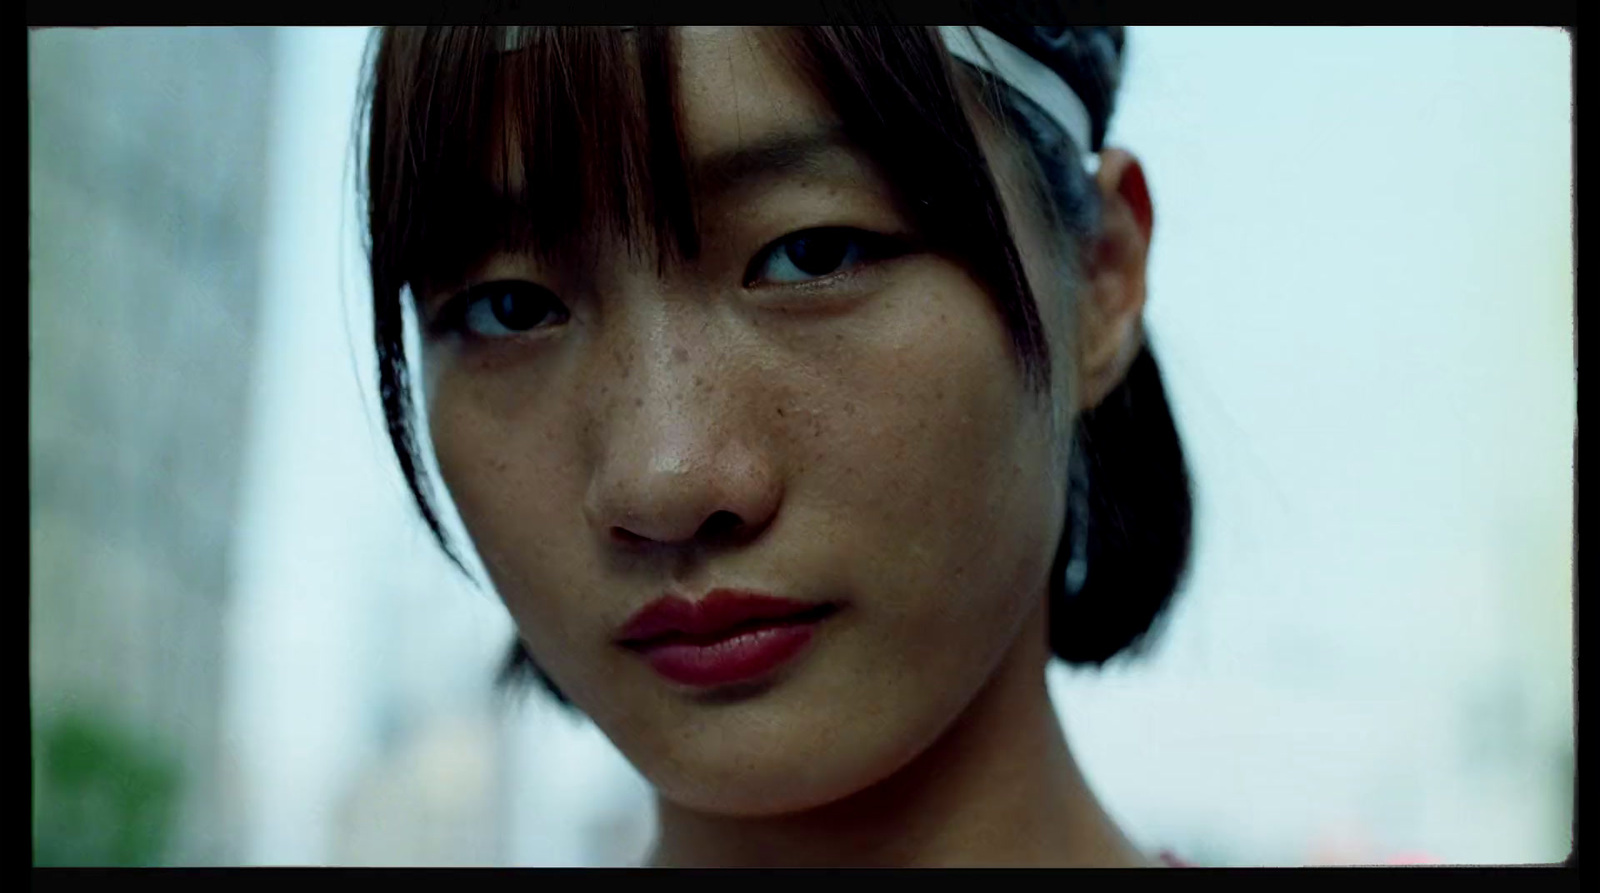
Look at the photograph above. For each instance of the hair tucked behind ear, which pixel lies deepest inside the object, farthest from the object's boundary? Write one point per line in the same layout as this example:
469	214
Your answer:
1129	521
1127	539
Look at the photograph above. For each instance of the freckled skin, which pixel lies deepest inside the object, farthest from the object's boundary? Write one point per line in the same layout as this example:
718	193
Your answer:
883	453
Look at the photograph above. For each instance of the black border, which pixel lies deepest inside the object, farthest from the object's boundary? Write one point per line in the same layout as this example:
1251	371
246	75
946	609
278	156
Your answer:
593	12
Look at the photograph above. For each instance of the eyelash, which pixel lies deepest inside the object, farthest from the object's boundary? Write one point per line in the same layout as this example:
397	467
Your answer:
454	316
870	247
873	247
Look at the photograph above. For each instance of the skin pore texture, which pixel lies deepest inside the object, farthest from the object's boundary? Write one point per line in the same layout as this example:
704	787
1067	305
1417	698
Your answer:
867	438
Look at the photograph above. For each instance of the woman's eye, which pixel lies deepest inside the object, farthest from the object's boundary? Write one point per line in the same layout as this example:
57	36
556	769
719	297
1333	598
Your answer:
812	254
503	309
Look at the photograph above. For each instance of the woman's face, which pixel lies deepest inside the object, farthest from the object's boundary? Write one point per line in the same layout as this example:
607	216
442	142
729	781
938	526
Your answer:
843	424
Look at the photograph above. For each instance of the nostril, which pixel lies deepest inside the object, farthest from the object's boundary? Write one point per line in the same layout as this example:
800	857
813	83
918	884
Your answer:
721	527
720	524
627	537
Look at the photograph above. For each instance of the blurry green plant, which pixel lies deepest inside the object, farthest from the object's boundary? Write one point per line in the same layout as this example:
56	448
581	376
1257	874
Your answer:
101	796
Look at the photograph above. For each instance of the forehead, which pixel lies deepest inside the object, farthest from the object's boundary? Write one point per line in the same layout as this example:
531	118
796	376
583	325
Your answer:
737	84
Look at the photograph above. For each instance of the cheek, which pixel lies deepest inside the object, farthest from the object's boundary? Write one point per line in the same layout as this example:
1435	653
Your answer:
512	478
942	465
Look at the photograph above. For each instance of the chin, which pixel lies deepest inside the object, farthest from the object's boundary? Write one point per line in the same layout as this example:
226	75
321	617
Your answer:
759	794
760	778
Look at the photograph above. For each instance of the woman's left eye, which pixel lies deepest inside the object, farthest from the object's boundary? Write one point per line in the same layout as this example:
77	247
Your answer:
814	253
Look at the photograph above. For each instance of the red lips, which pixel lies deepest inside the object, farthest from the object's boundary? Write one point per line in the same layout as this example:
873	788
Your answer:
721	613
725	638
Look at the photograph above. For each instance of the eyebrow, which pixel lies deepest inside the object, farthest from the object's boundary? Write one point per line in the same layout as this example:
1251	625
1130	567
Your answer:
775	156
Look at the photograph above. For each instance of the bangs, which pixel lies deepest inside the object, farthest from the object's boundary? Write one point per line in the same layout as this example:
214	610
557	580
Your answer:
903	98
549	140
528	139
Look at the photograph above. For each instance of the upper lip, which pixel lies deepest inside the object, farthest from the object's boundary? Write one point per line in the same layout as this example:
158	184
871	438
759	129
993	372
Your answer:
720	611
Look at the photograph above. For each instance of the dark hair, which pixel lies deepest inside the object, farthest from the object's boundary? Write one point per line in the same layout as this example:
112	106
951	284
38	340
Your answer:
455	113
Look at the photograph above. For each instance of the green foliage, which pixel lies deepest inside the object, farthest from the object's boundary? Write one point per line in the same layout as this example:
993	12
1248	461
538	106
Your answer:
101	796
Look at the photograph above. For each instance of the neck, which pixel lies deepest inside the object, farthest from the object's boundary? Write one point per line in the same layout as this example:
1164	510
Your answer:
999	788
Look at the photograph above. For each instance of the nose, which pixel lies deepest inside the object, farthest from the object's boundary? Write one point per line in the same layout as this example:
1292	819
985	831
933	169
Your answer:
678	461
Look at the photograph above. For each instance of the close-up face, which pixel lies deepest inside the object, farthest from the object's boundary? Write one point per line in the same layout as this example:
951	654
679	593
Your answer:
816	406
655	446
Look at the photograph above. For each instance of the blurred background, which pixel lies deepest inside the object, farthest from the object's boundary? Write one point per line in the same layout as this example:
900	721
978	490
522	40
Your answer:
244	648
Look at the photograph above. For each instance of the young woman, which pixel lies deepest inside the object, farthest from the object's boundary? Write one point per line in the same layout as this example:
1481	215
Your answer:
792	388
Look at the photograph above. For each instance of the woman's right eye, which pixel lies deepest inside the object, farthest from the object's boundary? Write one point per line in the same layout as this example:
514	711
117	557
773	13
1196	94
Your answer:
502	309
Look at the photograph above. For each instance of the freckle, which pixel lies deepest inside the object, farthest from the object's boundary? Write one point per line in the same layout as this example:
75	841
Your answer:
849	409
699	382
638	401
679	354
780	411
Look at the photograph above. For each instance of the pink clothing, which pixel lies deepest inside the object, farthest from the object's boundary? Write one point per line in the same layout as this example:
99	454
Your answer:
1170	859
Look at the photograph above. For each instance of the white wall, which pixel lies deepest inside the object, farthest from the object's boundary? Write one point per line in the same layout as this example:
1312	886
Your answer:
336	578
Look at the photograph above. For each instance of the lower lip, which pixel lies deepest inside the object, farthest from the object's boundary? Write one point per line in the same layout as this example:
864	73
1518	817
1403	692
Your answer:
744	657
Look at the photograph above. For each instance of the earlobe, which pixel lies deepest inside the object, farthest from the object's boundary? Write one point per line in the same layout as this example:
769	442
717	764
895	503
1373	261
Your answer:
1111	315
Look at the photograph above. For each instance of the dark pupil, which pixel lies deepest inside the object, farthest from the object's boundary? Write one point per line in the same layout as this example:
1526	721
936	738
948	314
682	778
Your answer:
818	254
516	310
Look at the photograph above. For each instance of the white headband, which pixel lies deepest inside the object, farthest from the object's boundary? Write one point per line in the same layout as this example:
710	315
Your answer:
1027	76
999	57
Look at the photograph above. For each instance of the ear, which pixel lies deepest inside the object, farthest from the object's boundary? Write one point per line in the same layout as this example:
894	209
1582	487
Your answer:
1111	315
